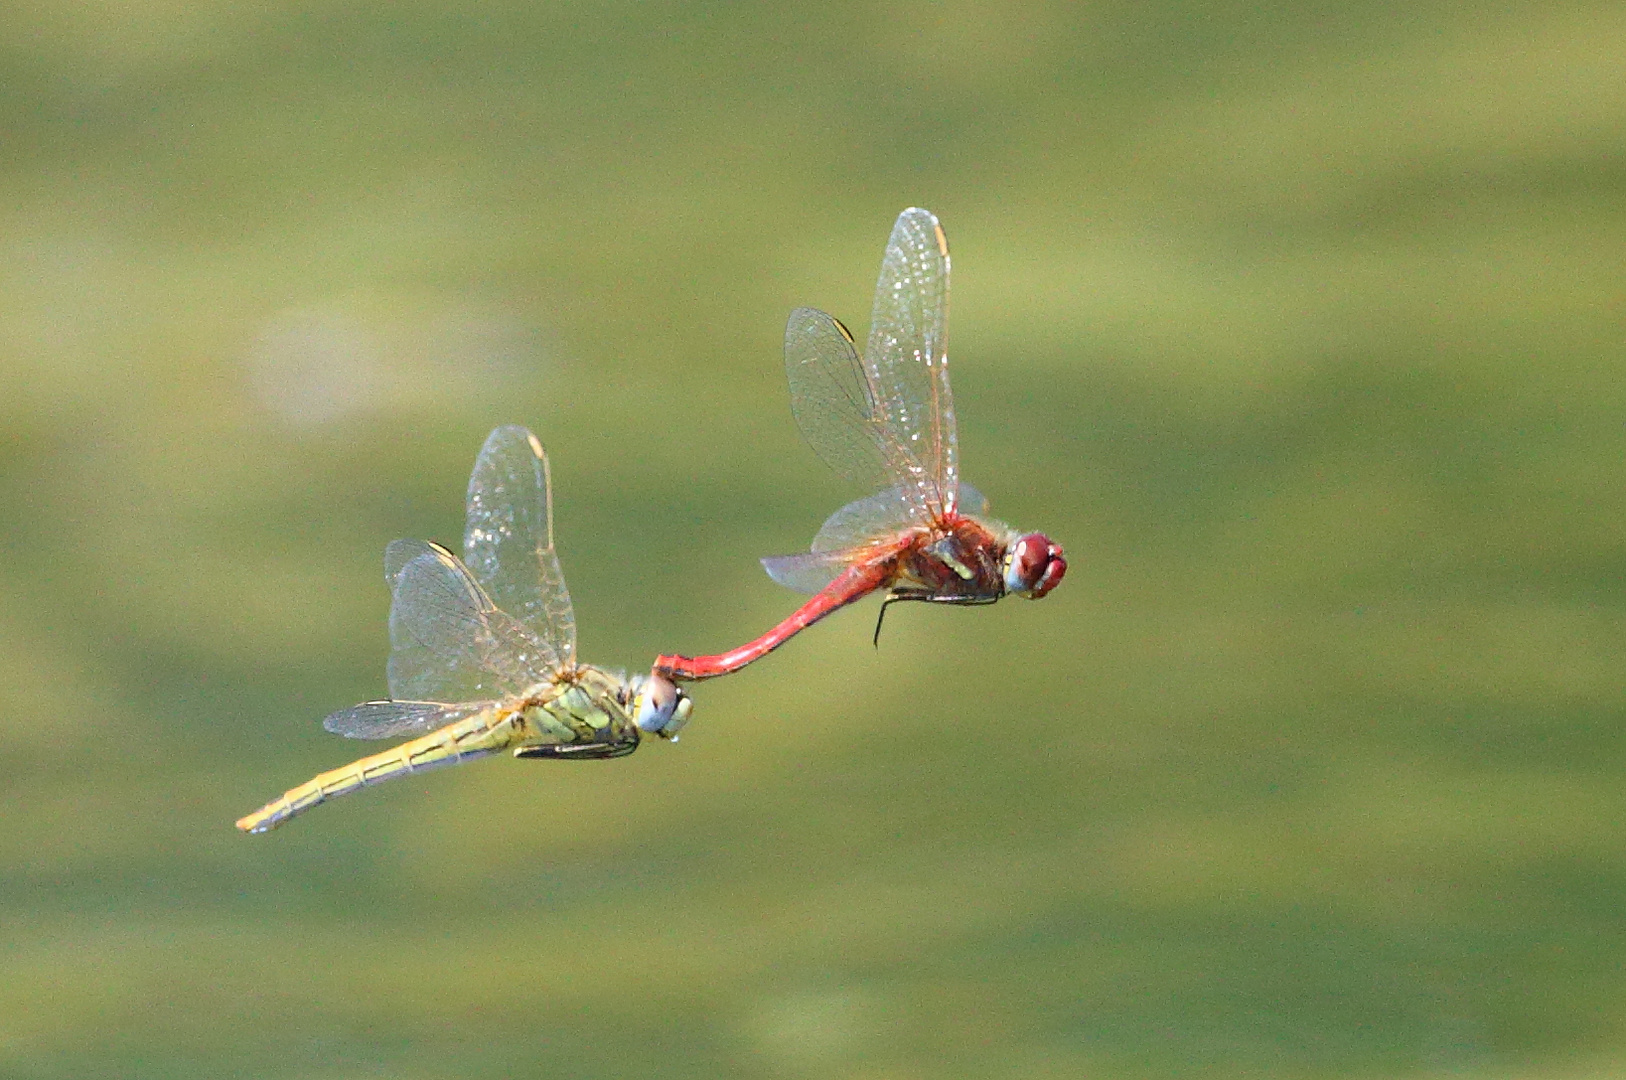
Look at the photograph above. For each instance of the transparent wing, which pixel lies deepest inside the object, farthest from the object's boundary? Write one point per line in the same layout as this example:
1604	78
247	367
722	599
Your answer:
392	719
508	541
882	514
907	356
808	572
838	410
971	501
448	641
811	571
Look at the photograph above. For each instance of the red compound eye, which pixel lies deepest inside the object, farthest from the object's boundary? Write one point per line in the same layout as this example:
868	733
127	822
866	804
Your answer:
1036	566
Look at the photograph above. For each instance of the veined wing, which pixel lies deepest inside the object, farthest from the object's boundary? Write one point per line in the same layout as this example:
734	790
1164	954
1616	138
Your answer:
907	357
809	571
508	541
448	641
840	414
971	501
392	719
886	421
847	534
880	515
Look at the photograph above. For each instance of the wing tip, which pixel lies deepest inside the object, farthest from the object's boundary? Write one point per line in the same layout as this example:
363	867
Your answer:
518	433
921	214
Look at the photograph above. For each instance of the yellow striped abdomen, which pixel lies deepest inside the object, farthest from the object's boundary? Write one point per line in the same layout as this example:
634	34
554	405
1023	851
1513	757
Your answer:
485	733
582	715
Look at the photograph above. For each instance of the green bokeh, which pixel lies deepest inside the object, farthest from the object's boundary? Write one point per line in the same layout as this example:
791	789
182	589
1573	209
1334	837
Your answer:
1301	326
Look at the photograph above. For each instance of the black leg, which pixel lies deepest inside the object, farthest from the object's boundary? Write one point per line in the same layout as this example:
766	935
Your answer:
925	598
888	602
581	751
961	601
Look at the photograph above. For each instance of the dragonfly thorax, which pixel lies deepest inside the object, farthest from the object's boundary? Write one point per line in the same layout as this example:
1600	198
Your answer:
961	561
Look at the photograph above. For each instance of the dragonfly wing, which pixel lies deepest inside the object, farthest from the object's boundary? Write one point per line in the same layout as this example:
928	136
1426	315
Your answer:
972	501
808	572
839	409
508	541
448	641
885	513
907	357
392	719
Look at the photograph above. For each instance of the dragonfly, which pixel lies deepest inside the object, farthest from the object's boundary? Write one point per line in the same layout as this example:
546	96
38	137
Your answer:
886	422
483	650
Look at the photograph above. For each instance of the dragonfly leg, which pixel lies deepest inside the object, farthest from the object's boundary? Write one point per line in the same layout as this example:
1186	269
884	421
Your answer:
594	751
900	595
888	602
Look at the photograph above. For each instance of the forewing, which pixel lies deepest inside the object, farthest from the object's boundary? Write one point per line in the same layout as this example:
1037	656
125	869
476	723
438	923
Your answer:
906	362
392	719
508	541
448	641
835	404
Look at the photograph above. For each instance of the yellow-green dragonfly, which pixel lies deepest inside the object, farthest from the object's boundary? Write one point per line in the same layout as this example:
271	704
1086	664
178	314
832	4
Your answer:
483	650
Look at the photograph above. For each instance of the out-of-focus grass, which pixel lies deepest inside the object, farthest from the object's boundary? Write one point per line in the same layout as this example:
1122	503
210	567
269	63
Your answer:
1299	325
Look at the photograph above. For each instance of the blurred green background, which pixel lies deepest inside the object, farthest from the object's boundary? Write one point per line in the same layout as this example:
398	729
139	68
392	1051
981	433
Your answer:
1300	325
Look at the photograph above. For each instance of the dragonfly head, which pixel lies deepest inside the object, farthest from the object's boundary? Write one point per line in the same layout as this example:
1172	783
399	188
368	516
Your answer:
1033	566
660	707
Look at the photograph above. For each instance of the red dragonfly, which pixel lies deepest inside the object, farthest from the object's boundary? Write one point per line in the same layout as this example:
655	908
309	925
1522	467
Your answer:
886	422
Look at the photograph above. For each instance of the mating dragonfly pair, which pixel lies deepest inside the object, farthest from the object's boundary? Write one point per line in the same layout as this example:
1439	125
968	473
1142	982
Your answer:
483	648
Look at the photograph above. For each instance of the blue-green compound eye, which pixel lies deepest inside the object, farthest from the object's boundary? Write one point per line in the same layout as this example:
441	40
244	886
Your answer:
661	707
